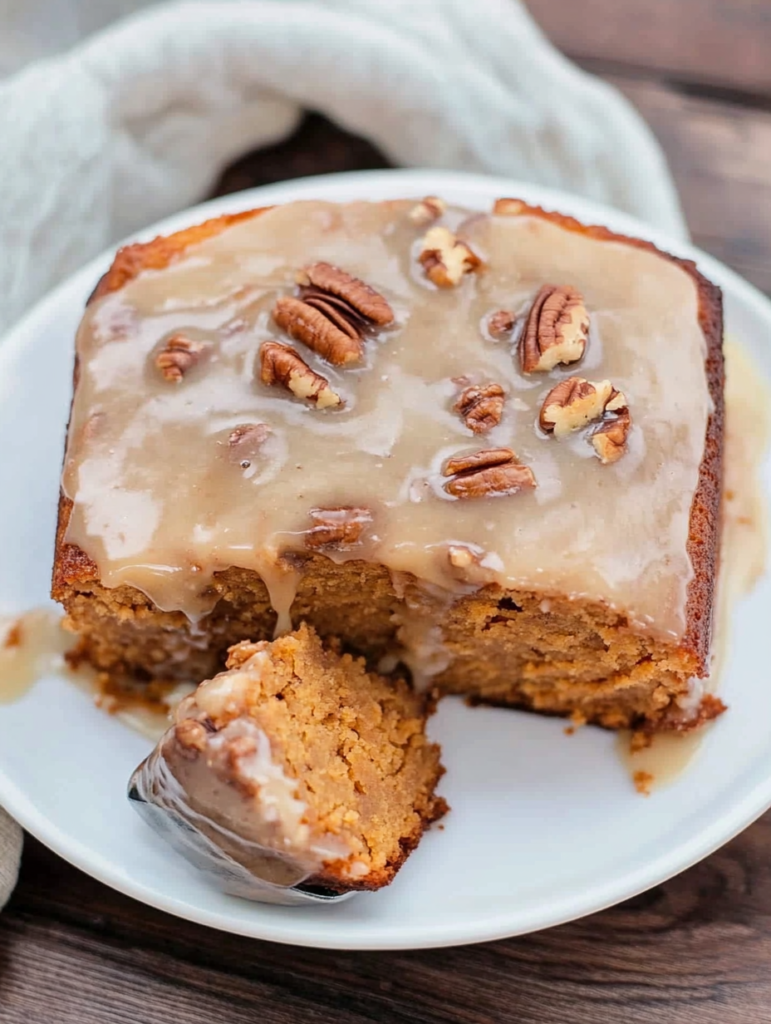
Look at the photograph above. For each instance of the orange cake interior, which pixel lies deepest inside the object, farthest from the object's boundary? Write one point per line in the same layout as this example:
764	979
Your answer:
296	757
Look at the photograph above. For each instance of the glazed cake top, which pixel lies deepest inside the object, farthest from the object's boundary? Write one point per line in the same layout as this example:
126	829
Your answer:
196	443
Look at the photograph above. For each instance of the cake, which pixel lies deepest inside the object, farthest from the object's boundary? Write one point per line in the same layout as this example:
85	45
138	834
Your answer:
484	446
298	767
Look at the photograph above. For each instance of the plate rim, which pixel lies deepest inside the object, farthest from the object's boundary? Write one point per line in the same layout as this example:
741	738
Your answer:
365	936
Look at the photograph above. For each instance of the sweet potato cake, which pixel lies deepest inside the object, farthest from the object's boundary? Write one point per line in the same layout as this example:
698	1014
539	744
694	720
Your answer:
487	445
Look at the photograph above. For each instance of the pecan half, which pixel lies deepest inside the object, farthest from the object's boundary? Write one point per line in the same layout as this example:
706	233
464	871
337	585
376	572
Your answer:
363	300
179	355
428	209
333	313
280	364
445	258
609	439
337	527
490	472
481	406
316	329
501	323
556	329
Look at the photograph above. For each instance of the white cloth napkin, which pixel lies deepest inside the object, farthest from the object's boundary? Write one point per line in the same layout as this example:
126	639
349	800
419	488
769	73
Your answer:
136	121
10	851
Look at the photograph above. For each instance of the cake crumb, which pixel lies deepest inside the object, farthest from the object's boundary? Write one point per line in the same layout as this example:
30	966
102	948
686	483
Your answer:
643	782
640	740
569	730
710	707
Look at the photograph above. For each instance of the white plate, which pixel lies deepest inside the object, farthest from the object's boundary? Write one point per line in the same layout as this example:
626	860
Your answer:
543	828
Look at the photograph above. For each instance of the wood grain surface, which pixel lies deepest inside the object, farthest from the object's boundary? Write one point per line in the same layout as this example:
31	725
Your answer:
696	950
723	44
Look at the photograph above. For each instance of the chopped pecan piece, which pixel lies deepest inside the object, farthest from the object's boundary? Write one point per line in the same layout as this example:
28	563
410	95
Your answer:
248	435
428	209
492	471
337	527
280	364
609	439
575	402
501	323
333	313
481	406
508	207
245	441
461	557
445	258
556	329
177	356
470	563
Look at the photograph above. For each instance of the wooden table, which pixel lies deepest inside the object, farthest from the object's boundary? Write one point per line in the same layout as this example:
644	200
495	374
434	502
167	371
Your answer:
695	950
